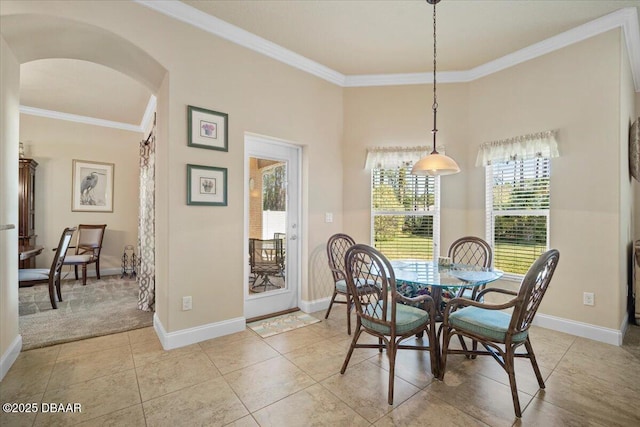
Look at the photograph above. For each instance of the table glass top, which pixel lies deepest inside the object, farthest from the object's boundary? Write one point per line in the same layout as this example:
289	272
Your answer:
431	274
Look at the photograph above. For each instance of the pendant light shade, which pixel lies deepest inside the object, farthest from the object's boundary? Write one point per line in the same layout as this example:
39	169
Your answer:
435	163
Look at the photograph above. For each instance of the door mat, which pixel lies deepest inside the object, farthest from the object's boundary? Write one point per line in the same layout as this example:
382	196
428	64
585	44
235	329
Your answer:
279	324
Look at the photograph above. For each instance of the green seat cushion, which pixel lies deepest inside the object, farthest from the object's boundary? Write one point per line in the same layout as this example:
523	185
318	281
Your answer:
341	284
407	319
492	324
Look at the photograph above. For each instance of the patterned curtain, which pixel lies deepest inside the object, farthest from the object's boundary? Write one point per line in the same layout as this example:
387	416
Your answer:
146	274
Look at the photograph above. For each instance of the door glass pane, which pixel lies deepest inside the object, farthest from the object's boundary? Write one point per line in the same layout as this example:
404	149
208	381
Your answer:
267	225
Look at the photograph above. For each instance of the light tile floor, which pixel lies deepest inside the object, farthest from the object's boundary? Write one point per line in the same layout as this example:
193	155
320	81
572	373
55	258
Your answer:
293	379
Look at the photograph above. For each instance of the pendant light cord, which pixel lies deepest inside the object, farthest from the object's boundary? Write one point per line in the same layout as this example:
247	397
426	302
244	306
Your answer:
435	98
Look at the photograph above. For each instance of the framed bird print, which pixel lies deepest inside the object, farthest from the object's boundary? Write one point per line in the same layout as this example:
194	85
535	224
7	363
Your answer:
92	186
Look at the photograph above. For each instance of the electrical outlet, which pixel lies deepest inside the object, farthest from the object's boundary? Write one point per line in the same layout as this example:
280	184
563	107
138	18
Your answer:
588	298
186	303
328	217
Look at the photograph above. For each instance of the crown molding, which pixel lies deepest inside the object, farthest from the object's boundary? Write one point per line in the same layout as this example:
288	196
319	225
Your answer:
631	29
216	26
32	111
626	18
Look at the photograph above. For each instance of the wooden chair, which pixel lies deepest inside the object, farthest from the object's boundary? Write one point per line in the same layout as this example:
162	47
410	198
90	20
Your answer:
265	259
32	276
383	312
337	246
496	329
88	247
473	251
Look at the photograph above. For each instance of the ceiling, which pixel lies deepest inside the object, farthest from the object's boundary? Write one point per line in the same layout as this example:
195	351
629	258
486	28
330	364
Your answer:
350	38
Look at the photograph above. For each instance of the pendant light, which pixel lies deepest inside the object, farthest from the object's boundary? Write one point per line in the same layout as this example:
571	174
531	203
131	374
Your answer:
435	163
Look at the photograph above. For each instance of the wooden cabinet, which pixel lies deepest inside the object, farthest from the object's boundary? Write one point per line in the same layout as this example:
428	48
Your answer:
26	207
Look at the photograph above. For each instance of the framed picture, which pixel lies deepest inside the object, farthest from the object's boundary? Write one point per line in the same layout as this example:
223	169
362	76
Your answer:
207	129
634	149
206	185
92	186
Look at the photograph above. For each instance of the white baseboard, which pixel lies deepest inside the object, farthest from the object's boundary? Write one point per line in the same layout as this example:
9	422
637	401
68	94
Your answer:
585	330
9	357
67	272
315	305
184	337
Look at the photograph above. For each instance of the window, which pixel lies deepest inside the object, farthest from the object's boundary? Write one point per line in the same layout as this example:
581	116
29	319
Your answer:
517	206
405	212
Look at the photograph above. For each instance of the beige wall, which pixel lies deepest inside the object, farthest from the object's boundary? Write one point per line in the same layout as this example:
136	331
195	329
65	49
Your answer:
626	230
54	144
569	90
9	129
401	116
576	93
200	249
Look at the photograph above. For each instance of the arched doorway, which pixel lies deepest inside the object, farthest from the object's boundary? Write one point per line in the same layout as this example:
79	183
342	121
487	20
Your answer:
31	37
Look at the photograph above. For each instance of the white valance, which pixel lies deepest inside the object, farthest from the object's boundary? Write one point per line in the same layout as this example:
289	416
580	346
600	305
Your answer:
541	144
395	157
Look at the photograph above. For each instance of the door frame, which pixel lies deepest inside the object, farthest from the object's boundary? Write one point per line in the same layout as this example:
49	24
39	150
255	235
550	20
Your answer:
296	255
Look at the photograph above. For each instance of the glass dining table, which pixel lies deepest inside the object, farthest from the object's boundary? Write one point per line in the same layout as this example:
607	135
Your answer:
419	277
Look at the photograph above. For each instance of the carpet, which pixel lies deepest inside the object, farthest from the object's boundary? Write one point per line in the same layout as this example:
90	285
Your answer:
283	323
102	307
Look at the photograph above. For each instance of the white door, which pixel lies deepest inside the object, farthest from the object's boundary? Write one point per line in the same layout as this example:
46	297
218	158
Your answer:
272	221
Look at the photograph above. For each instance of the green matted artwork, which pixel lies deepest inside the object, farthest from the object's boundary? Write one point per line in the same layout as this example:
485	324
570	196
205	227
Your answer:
207	129
206	185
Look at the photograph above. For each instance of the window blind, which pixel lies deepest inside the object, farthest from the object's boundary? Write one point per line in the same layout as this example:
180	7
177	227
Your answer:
517	203
405	213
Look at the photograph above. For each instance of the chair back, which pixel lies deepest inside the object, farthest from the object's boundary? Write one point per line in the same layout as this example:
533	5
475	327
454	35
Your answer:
90	238
471	250
61	252
337	246
265	255
532	289
371	280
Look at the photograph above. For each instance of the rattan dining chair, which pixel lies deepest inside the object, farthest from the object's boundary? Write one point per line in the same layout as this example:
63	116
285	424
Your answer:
471	250
385	313
337	246
496	329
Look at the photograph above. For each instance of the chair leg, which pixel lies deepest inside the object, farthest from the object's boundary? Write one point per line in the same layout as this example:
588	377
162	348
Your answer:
532	357
510	368
75	270
84	274
350	304
58	285
52	294
391	353
351	348
464	346
98	268
446	337
335	292
434	352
